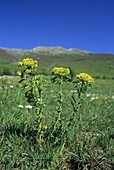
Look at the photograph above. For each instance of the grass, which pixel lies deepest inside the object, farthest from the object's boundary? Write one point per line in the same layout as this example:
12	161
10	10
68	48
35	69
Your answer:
90	144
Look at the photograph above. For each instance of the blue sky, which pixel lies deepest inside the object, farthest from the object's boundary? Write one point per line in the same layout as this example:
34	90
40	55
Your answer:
82	24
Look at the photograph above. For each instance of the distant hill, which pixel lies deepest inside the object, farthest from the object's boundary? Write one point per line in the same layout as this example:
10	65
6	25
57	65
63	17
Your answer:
99	65
12	55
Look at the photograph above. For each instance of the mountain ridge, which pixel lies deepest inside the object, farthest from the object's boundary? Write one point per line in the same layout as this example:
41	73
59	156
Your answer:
99	65
45	48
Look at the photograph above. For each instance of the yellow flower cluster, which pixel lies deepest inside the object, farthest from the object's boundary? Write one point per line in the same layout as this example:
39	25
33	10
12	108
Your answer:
19	73
29	62
61	71
30	65
86	77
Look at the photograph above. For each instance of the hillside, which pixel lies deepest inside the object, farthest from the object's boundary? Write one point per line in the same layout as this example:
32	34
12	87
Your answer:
99	65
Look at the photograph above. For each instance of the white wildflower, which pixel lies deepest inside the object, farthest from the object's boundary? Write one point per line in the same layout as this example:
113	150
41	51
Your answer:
11	86
39	99
28	107
88	95
73	91
20	106
112	97
92	98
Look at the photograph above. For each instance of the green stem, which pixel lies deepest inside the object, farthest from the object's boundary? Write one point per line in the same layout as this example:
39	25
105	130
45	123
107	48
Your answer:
60	96
40	114
60	105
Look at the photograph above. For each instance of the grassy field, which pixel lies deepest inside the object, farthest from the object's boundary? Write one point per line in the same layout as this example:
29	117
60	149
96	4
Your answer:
89	143
61	125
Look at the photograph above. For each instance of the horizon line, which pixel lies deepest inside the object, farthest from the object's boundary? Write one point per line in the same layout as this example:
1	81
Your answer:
12	48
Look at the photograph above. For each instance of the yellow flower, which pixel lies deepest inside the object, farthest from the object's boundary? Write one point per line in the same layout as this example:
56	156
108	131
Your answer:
45	127
97	97
29	62
86	77
20	64
19	73
61	71
35	64
28	71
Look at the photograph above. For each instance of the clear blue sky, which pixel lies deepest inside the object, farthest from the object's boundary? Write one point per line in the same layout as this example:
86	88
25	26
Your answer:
82	24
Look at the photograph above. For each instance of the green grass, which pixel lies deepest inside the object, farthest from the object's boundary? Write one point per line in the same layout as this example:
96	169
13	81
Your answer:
8	69
90	145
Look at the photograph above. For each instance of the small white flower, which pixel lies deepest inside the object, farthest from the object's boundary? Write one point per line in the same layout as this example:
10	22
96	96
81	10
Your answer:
73	91
28	107
88	95
93	98
112	97
39	99
11	86
20	106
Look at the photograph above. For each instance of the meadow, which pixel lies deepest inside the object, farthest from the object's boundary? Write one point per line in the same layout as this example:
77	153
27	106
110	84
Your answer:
33	136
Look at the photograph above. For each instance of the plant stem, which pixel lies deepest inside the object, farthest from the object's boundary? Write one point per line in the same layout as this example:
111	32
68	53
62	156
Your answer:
40	114
60	105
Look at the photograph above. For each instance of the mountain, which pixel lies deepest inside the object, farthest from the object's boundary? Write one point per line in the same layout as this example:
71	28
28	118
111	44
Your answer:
99	65
8	55
58	50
